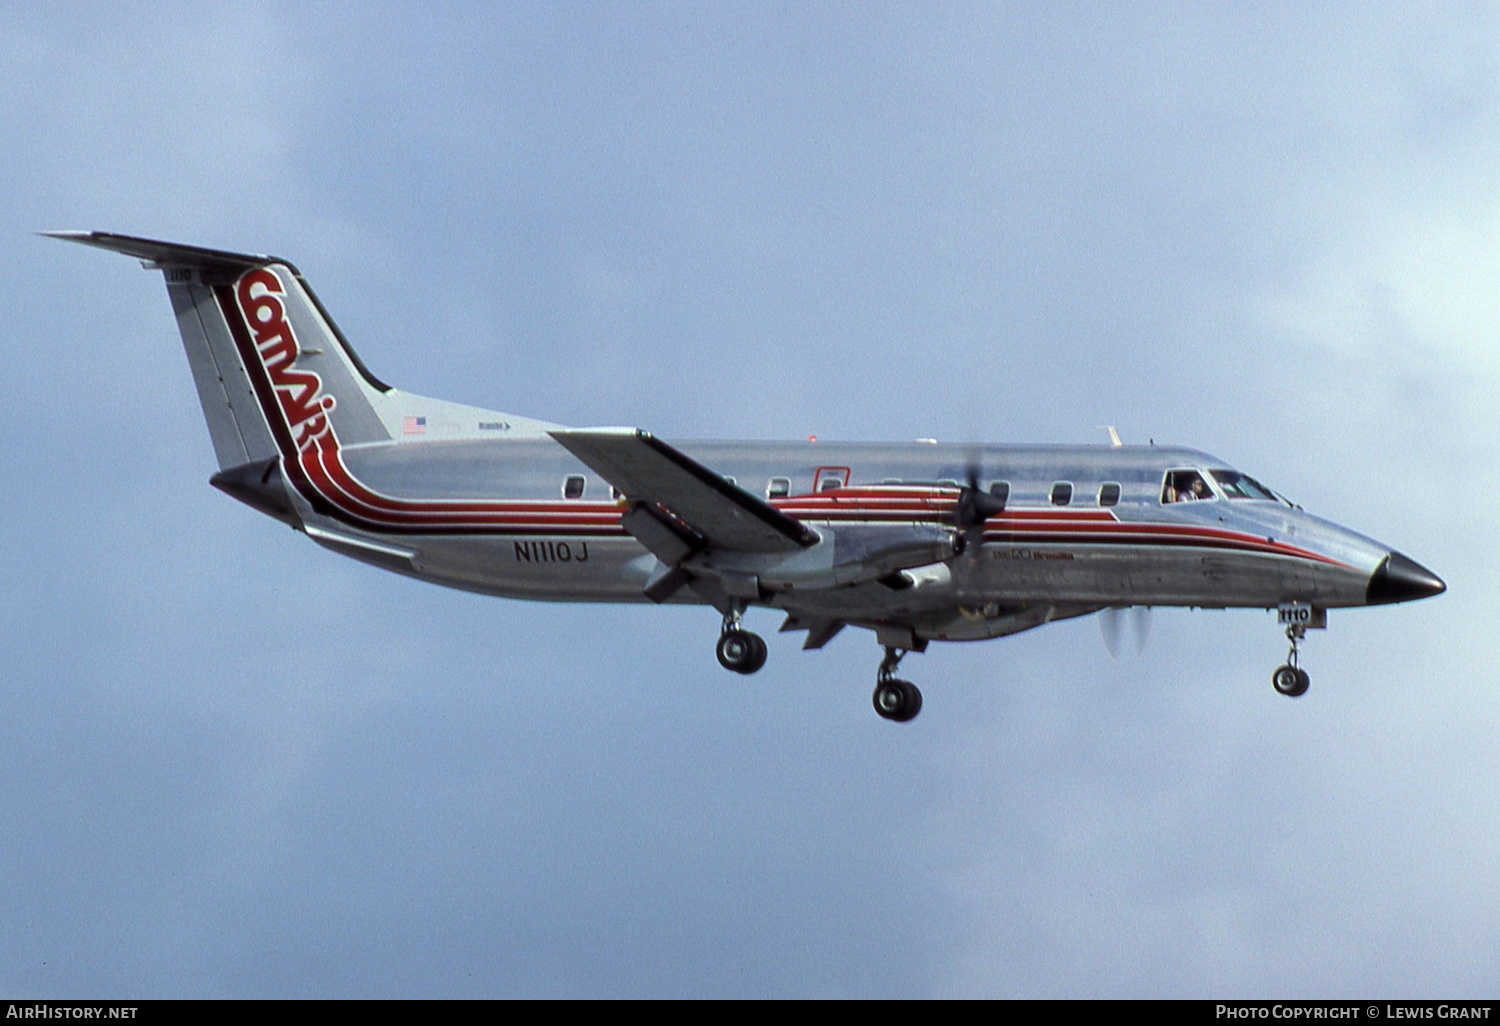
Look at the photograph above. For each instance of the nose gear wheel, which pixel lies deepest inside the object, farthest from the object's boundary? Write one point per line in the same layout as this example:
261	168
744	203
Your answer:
1290	679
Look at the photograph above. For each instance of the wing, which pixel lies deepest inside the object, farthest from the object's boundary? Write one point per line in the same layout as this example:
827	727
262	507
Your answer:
731	547
647	470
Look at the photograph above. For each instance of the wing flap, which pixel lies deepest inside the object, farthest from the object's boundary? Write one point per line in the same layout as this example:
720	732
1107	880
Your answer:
649	470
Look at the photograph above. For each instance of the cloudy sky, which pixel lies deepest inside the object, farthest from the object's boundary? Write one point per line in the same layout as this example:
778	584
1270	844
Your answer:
233	764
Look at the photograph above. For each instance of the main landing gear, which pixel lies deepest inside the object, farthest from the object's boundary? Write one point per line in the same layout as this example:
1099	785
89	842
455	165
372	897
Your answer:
738	649
1291	680
745	652
895	699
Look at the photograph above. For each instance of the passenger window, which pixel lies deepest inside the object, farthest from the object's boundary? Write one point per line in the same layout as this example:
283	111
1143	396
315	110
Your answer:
1062	493
779	488
573	486
826	479
1000	490
1109	494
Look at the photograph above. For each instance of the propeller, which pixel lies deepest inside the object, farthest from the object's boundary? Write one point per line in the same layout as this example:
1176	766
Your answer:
973	508
1125	629
970	512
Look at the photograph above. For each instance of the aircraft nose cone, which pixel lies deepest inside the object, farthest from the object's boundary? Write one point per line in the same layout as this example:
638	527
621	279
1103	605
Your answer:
1399	579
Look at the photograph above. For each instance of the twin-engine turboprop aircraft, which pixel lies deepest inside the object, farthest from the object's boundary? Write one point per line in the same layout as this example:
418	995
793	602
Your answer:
917	542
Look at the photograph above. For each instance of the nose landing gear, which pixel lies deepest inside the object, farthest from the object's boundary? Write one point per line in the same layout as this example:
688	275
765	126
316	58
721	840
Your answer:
1291	680
738	649
895	699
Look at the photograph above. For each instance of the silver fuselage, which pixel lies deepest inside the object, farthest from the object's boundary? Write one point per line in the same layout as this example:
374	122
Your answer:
1057	560
911	540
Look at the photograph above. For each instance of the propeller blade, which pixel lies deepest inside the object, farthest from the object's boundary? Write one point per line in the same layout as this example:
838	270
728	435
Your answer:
1117	624
975	506
1112	630
1140	628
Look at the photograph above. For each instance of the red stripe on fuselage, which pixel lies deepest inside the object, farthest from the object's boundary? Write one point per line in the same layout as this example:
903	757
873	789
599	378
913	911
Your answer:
318	471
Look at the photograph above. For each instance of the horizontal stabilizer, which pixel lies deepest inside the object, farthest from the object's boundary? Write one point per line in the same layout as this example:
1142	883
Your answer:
646	469
260	486
157	252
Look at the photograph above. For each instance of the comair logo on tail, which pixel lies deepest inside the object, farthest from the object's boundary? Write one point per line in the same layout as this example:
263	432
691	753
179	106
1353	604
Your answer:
298	392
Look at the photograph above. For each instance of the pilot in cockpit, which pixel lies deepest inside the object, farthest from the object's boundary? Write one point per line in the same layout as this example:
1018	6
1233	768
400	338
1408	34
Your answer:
1185	486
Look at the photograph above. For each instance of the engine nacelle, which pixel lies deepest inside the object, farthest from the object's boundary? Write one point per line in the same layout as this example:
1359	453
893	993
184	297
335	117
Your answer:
844	555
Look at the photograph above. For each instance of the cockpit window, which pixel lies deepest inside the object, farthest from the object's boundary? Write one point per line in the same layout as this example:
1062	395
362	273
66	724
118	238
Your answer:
1185	486
1241	486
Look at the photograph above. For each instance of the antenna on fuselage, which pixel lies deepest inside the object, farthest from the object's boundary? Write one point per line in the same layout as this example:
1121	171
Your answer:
1114	436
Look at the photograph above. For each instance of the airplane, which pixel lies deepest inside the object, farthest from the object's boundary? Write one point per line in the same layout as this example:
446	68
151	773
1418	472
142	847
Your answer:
916	542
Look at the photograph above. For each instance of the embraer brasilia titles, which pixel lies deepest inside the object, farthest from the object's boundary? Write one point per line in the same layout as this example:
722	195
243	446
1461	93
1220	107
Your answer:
916	542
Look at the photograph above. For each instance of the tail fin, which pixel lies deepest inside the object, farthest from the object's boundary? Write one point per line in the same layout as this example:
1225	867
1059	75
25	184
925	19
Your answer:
273	372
